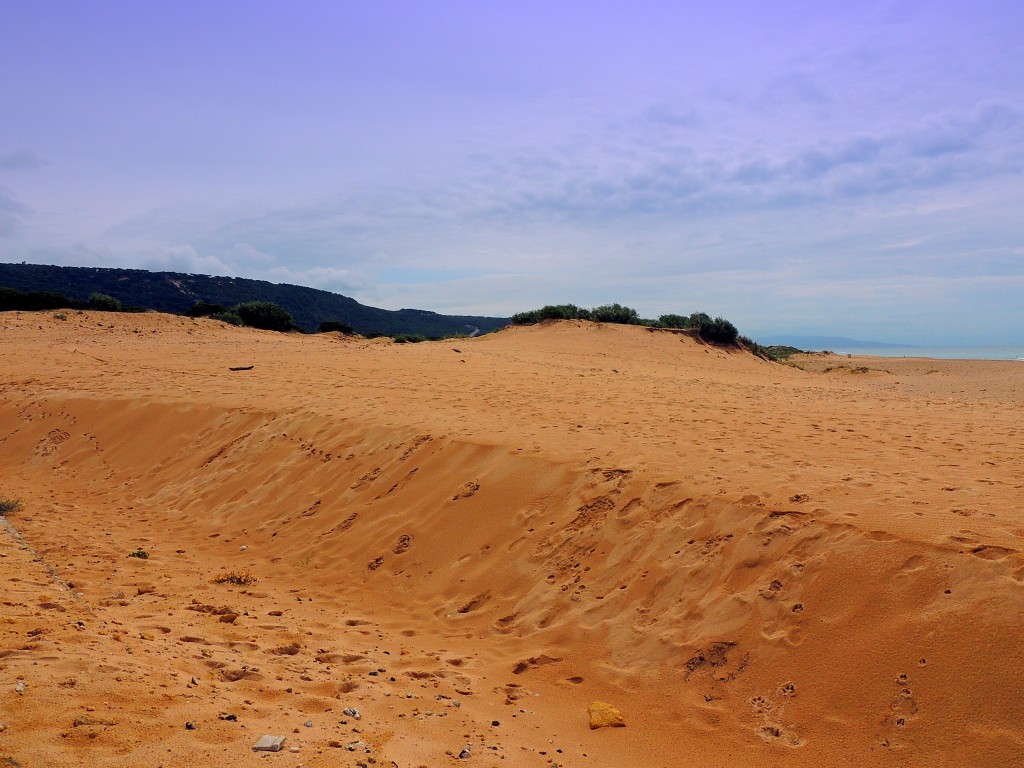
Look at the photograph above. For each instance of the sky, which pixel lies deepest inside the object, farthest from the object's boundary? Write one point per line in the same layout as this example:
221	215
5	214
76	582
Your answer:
811	168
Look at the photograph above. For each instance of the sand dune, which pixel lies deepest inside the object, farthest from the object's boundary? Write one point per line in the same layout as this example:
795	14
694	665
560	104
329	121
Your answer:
471	541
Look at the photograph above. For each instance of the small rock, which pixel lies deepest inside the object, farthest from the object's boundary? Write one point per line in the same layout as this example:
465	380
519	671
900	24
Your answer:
464	754
269	744
190	726
495	723
242	548
20	686
352	712
229	618
308	723
604	715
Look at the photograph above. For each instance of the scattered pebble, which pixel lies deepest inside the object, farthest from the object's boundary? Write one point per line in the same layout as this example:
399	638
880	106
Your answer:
464	754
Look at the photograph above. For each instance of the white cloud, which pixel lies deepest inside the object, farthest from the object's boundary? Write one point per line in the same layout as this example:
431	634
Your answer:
342	281
184	258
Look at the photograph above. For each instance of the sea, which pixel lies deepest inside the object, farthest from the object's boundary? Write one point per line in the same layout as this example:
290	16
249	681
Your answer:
1010	352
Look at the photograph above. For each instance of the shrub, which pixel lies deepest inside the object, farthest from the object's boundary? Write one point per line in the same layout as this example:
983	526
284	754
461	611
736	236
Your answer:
328	326
239	578
31	301
755	349
230	316
717	331
408	338
265	315
103	303
140	553
551	312
203	309
9	505
615	313
674	321
781	352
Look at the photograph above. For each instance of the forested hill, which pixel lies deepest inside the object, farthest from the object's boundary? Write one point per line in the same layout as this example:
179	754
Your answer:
176	292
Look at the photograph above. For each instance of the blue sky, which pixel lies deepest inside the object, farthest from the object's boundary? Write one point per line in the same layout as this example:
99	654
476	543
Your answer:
793	166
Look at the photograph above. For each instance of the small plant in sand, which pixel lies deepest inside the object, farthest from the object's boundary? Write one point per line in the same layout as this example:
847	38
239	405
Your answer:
238	577
139	553
9	505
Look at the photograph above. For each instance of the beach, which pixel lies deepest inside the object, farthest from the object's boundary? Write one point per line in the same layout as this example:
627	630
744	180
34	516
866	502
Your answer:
230	533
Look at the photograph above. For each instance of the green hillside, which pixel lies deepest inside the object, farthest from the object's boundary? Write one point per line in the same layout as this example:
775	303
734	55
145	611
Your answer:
176	292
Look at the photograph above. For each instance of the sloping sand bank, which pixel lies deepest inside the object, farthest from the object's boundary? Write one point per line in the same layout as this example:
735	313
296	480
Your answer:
470	541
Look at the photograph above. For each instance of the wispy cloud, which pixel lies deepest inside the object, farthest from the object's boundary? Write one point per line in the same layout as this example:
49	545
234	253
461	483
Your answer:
11	212
22	160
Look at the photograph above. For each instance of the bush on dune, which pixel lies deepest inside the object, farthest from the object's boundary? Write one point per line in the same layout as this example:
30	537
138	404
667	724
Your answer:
103	303
615	313
713	330
408	338
551	312
327	326
205	309
265	315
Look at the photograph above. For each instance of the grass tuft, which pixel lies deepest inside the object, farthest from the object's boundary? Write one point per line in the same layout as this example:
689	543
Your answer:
9	505
238	578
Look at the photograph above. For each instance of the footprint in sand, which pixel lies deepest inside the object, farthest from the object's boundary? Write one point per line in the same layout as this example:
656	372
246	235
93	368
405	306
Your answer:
467	490
533	662
772	730
903	710
53	440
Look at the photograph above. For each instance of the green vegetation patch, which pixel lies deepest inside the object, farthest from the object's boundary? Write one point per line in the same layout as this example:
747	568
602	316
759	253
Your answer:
240	578
9	505
713	330
782	352
265	315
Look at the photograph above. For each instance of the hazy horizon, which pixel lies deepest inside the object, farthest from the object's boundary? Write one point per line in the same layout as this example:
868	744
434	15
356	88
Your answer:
798	169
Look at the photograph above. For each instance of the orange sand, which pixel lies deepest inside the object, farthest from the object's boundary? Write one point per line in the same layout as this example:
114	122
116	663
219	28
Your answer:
757	565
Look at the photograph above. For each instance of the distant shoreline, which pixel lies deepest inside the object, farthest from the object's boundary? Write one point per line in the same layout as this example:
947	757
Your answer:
1001	352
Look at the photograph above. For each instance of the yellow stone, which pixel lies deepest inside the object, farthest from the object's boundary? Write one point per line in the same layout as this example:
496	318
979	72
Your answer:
604	715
